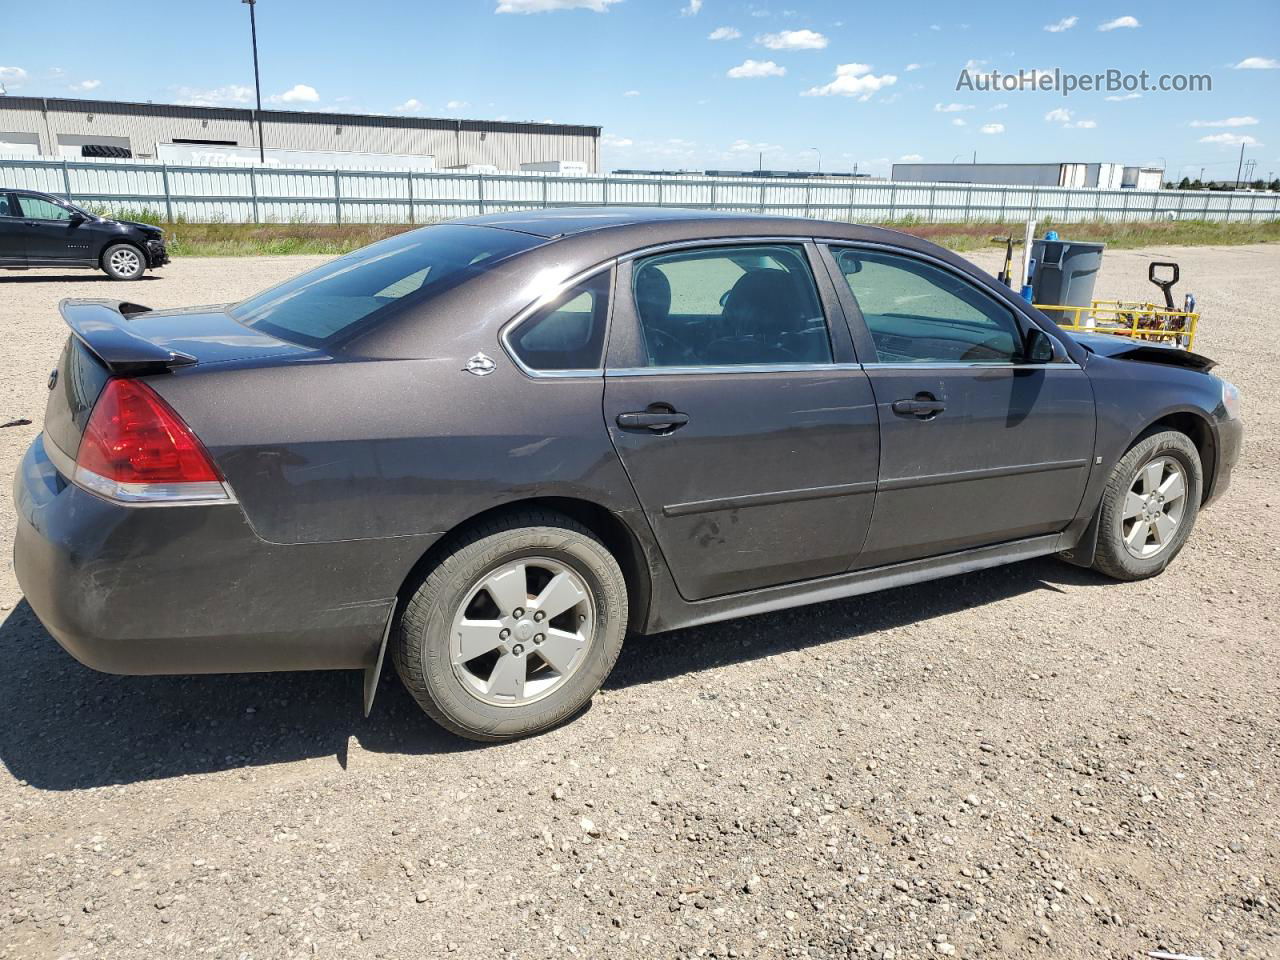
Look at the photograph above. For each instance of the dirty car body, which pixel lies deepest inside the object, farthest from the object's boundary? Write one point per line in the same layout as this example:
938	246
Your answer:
739	408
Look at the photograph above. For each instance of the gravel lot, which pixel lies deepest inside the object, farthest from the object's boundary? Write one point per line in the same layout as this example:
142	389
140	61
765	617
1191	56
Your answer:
1028	761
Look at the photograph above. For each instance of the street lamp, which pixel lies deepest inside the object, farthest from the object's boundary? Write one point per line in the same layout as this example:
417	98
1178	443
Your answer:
819	153
257	84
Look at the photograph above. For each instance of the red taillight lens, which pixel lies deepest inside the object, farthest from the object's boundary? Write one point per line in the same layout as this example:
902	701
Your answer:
135	437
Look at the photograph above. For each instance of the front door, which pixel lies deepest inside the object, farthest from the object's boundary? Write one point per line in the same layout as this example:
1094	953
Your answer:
748	433
51	233
12	245
978	445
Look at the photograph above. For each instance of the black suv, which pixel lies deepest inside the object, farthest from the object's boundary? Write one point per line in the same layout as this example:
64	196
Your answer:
38	230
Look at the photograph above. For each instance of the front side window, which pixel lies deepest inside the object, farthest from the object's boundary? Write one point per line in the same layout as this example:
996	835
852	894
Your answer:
718	306
568	333
369	284
37	208
919	313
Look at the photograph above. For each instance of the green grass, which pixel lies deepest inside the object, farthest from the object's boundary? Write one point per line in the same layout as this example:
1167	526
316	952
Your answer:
268	239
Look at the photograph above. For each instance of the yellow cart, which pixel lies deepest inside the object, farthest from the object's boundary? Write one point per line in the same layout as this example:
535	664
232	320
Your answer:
1132	318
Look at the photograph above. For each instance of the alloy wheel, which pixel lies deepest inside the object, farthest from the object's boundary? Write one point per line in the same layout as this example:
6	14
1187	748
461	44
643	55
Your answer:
125	261
1153	507
522	631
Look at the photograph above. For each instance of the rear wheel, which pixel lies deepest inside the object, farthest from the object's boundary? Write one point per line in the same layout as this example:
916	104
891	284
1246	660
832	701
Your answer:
123	261
515	629
1149	506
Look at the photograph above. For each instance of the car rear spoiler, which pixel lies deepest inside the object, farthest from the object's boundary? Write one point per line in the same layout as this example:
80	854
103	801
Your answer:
103	327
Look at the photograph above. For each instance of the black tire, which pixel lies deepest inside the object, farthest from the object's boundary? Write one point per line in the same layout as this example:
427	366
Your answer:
421	647
124	261
1112	556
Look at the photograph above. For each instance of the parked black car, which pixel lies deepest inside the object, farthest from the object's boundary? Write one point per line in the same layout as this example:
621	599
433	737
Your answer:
39	230
502	443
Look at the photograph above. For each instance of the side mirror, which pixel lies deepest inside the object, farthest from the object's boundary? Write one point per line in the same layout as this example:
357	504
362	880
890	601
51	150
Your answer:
1042	348
77	218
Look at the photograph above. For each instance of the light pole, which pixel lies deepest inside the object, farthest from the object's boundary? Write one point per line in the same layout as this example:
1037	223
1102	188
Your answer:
257	84
819	153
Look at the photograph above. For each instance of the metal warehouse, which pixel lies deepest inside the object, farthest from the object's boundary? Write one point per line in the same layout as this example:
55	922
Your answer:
1107	176
102	128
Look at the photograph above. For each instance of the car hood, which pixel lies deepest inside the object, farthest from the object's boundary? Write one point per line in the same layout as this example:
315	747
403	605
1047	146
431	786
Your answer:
1142	351
144	227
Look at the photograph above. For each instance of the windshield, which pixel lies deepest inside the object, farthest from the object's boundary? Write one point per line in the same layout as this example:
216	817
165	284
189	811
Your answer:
357	289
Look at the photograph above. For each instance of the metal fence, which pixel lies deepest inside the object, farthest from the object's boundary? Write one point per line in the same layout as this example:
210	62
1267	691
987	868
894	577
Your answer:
262	194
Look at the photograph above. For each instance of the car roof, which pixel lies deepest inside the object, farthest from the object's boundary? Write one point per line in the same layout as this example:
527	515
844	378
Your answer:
570	221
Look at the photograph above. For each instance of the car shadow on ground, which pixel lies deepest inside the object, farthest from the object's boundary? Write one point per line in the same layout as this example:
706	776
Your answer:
65	727
86	277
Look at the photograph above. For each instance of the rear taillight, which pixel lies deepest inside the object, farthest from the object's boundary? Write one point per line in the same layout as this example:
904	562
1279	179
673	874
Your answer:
136	449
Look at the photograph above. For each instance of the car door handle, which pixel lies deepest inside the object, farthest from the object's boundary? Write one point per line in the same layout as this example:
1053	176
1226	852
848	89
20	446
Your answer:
651	420
919	407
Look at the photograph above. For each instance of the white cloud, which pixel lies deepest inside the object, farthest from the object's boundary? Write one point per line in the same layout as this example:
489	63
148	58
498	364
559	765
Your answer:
993	128
951	107
910	66
910	158
853	80
631	93
13	76
412	105
1248	63
934	26
1231	139
957	122
724	33
1120	23
84	86
1058	116
1084	124
757	68
546	6
218	96
609	140
746	146
692	9
457	104
793	40
1120	98
1229	122
298	93
972	65
1066	23
1000	106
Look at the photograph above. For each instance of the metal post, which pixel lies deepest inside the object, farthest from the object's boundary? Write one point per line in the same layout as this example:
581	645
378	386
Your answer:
545	192
66	179
480	190
253	191
853	199
1205	215
933	203
168	203
257	84
808	195
762	196
410	179
604	191
337	197
968	202
713	196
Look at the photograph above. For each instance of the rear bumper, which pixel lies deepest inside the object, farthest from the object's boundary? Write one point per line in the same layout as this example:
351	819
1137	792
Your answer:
192	589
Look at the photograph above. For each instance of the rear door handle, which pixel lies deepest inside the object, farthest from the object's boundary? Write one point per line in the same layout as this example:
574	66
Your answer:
919	407
656	421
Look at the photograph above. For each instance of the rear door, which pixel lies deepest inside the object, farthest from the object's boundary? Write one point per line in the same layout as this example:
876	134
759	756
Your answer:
12	245
50	233
978	444
747	431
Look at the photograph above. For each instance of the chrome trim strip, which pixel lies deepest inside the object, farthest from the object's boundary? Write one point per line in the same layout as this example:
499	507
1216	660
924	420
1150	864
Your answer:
136	494
731	368
768	499
537	305
988	473
969	365
712	242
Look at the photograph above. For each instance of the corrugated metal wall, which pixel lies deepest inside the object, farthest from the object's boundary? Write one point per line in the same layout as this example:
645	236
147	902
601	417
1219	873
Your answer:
281	194
451	142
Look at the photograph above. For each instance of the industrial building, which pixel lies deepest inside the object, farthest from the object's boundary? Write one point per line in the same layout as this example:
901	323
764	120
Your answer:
52	127
1105	176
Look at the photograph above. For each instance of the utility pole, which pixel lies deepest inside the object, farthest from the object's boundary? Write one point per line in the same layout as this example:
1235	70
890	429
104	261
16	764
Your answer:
257	83
1240	166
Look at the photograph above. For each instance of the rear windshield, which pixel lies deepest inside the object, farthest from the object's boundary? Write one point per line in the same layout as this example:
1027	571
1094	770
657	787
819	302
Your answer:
362	287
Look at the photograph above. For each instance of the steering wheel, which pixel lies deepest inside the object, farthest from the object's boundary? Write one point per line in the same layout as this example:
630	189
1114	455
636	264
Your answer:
660	342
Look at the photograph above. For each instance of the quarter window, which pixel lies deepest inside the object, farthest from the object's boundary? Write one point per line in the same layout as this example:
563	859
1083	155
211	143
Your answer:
722	306
567	334
38	208
918	313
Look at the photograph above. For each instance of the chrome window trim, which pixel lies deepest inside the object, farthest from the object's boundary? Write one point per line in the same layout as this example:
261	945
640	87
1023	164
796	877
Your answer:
968	365
136	494
671	245
730	368
557	291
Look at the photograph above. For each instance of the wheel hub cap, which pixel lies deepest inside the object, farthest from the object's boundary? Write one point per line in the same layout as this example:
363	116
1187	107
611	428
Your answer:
1154	507
521	631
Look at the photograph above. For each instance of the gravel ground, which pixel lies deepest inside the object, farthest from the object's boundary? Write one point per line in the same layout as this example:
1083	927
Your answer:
1030	761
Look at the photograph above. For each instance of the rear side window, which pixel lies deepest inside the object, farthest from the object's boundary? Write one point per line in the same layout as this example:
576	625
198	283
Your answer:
725	305
567	334
363	287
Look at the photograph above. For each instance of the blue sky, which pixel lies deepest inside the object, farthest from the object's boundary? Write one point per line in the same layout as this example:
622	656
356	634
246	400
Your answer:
689	84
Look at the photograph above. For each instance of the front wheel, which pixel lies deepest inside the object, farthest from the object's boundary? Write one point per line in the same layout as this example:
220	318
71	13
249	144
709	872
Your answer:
123	261
1149	506
514	629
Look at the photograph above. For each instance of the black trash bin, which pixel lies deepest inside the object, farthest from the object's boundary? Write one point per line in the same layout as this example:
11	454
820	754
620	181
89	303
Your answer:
1065	274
